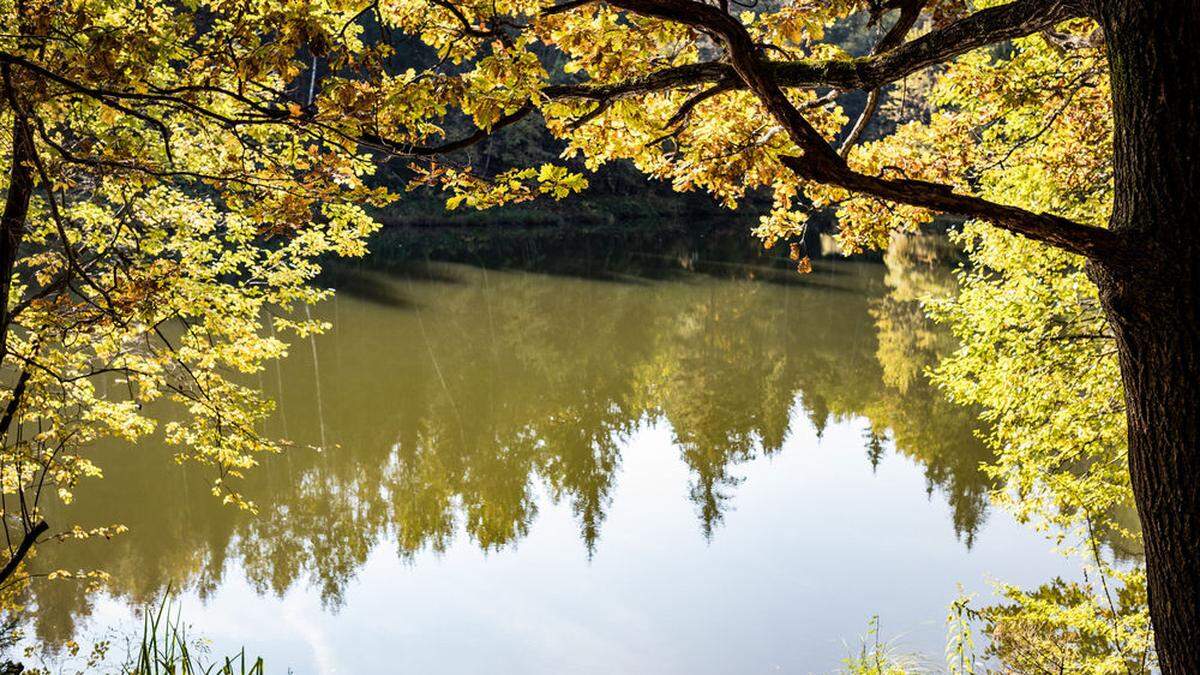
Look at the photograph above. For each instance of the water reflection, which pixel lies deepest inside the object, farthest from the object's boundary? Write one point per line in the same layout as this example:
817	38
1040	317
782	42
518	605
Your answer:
448	397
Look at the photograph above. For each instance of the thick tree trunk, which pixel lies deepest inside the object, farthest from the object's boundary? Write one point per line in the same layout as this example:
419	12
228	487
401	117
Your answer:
1158	336
1152	297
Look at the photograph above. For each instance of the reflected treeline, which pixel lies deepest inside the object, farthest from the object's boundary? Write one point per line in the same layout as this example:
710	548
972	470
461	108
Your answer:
921	267
448	399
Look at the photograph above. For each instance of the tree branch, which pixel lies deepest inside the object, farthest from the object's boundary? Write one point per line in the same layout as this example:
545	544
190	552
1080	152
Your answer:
1086	240
860	125
27	543
910	10
820	163
985	27
686	108
565	7
467	27
394	148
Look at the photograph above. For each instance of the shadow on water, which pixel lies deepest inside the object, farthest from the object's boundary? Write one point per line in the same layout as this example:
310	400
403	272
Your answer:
366	285
616	255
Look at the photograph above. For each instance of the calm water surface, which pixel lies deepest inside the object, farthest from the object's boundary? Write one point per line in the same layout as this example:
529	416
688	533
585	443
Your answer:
679	466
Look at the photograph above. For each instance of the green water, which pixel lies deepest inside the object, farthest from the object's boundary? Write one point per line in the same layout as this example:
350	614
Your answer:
672	462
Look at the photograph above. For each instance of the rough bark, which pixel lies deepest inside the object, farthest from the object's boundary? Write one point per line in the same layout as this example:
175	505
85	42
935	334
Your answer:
1152	297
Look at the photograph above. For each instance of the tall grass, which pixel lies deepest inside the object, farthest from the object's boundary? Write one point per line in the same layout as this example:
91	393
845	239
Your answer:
165	649
876	657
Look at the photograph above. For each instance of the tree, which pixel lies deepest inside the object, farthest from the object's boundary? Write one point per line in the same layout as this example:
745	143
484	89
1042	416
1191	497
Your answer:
220	147
173	176
150	221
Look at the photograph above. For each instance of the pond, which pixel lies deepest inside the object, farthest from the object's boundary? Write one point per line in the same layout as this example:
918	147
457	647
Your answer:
675	460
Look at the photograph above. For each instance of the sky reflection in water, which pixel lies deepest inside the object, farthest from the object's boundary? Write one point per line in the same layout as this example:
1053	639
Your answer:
723	470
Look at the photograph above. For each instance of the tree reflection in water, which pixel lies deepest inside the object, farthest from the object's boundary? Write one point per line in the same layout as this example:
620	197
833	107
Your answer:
450	394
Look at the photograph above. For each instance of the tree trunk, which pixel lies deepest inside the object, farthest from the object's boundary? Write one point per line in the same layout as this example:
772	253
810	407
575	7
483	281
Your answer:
16	203
1152	297
1158	338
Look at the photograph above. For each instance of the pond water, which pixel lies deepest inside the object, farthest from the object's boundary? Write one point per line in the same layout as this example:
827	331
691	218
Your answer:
675	462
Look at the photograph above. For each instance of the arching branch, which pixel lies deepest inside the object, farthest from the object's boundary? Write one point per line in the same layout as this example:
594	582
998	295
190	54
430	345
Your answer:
985	27
820	163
